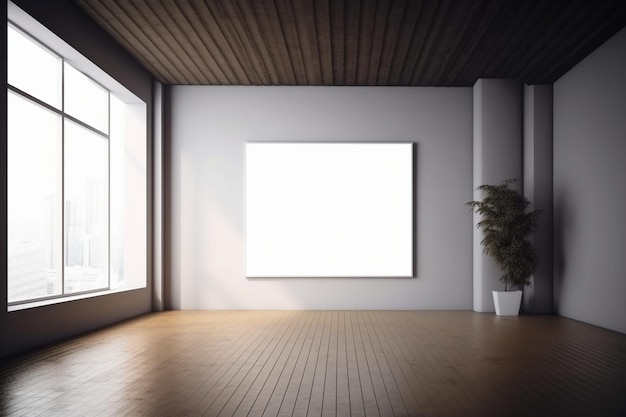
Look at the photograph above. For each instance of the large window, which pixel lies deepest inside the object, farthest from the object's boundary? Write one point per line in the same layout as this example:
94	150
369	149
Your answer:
77	179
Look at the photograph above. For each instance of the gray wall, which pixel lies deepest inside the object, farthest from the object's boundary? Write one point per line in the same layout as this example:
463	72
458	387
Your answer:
497	156
210	126
20	330
589	189
538	190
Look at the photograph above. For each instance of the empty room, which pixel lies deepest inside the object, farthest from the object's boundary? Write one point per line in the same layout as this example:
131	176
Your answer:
313	208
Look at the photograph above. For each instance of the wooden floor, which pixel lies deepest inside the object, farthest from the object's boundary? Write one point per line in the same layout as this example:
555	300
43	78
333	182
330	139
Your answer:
324	363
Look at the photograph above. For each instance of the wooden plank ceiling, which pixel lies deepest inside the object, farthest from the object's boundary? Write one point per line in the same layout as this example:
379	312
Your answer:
351	42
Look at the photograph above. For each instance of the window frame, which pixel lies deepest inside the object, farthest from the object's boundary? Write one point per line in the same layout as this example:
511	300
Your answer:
69	56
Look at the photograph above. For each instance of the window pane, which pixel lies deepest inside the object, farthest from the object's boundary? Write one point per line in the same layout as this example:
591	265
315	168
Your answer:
86	209
74	226
128	194
32	68
34	200
86	100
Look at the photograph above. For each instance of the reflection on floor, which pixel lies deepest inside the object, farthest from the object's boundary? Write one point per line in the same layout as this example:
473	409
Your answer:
324	363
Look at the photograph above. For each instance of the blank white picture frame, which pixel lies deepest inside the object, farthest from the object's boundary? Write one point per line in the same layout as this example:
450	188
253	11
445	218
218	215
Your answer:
329	210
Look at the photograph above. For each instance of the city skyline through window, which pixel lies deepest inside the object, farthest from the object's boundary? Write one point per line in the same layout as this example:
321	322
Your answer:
77	169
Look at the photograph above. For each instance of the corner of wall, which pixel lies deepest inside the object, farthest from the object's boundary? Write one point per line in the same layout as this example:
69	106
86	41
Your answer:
497	156
538	158
588	196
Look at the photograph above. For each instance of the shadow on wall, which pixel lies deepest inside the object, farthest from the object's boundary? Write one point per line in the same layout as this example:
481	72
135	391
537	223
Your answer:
562	218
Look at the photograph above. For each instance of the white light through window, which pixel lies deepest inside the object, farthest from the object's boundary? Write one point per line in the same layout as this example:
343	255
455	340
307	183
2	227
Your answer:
77	172
41	78
86	209
34	199
85	100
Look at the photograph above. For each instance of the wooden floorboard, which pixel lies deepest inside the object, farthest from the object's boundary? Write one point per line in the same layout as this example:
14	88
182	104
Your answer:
324	364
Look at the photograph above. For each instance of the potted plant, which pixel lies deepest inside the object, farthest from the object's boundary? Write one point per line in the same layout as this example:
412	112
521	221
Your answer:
505	225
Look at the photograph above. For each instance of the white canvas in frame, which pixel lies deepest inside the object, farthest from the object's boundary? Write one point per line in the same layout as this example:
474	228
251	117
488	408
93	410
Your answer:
329	210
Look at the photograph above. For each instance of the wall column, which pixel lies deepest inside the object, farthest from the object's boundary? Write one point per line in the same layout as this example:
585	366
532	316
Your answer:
538	189
497	155
157	199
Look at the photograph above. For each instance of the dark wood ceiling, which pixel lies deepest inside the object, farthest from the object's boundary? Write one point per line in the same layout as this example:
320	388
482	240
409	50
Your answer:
351	42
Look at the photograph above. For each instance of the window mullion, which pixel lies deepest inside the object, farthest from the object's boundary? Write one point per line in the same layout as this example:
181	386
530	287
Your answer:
34	99
109	191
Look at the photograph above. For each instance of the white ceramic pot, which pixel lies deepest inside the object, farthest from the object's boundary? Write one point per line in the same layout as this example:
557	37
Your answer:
507	302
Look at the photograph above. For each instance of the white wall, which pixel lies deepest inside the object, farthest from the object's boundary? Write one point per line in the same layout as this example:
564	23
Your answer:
210	126
589	188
